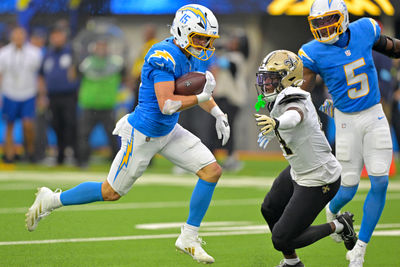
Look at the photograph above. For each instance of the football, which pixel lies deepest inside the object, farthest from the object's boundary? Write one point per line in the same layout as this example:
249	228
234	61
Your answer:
191	83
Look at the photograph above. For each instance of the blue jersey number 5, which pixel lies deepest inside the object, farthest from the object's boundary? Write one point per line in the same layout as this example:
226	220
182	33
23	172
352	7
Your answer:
354	79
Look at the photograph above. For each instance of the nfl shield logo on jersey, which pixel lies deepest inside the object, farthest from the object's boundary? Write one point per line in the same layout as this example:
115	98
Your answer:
347	52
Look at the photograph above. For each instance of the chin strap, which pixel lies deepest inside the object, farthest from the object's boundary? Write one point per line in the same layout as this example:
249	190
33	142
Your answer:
260	102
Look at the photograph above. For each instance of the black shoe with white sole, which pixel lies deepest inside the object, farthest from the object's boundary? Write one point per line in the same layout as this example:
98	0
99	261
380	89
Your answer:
348	234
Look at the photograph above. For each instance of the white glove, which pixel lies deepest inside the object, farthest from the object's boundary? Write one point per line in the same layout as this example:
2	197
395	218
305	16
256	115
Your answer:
120	124
223	128
270	123
208	88
262	141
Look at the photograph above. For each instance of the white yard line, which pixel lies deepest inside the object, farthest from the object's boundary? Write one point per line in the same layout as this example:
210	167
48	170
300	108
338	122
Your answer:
142	205
165	204
255	231
146	179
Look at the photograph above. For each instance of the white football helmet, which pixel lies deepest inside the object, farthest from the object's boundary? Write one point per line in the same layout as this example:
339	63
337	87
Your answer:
279	70
195	21
328	19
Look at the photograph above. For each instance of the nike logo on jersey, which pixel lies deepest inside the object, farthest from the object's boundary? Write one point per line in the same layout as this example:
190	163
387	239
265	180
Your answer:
379	118
160	64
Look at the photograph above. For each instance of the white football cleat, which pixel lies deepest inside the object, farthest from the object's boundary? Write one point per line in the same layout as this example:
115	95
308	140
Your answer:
43	205
329	218
191	245
356	256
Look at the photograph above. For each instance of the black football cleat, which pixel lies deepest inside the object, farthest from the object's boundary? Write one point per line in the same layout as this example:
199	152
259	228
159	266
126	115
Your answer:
348	234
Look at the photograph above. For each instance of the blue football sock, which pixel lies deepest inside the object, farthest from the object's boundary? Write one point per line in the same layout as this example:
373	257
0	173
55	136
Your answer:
83	193
201	198
373	206
342	197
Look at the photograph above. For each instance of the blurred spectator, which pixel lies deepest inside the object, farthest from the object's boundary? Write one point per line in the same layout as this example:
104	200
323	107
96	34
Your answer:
101	77
58	81
231	92
19	64
149	37
38	38
4	32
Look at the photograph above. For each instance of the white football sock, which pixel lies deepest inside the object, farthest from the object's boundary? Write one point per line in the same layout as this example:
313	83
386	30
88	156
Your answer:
338	225
292	261
56	200
361	244
190	229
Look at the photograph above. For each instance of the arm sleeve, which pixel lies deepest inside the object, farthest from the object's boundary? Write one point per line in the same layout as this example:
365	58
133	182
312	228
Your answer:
289	119
162	76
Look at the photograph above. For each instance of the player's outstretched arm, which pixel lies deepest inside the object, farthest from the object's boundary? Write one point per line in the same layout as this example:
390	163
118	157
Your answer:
309	79
388	46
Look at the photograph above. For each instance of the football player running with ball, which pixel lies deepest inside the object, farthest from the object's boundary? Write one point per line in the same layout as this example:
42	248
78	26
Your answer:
303	189
342	55
152	128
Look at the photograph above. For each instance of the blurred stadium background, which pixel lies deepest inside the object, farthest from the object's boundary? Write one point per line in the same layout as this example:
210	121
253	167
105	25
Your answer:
262	26
266	25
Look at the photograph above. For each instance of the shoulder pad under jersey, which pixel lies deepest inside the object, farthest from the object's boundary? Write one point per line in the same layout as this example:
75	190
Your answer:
292	94
369	27
292	98
161	57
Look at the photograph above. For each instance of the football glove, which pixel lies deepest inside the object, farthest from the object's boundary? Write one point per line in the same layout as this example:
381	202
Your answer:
270	123
327	107
208	88
223	128
262	141
120	125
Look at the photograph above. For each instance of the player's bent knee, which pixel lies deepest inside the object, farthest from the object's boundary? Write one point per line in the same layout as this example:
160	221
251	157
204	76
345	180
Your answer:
108	192
279	243
210	173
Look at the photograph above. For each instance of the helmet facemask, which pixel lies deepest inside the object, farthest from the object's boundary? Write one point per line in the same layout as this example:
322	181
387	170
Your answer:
269	83
326	28
201	45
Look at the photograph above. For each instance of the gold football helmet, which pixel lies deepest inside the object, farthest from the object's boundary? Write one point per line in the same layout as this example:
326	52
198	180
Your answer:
278	70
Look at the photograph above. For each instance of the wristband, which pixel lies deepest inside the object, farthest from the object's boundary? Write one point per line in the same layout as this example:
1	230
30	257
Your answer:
216	112
203	97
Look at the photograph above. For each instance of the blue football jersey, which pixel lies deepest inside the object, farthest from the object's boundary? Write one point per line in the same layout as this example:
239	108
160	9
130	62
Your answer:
349	72
163	62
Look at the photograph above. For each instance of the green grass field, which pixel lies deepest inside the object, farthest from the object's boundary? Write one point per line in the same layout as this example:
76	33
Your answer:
141	228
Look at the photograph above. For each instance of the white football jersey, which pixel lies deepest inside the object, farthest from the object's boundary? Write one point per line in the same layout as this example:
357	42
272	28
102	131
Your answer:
305	145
